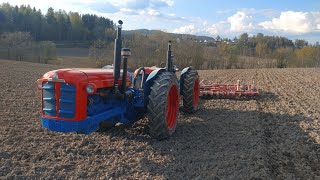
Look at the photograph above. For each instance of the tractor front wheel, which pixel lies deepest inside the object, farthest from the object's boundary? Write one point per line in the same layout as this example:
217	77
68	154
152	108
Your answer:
163	106
191	91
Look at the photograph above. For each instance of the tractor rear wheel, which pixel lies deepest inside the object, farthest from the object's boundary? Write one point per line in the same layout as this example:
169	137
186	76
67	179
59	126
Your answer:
163	106
191	91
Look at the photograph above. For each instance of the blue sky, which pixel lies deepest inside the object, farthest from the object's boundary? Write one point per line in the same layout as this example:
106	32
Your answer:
227	18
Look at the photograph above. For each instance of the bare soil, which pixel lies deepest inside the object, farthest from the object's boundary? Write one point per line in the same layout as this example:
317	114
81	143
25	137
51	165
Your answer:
276	136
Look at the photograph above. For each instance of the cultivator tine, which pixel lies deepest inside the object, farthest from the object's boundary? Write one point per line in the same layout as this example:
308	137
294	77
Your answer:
238	85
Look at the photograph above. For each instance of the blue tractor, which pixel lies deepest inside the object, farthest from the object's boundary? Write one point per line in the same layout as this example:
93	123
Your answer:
84	99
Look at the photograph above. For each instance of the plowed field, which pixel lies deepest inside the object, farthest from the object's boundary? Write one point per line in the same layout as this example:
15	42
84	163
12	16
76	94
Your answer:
276	136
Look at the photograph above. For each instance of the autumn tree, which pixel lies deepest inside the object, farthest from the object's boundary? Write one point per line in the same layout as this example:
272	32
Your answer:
261	49
13	41
308	56
99	53
47	51
300	43
282	55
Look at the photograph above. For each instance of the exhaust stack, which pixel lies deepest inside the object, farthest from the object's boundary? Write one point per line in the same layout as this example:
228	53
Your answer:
125	54
117	56
169	59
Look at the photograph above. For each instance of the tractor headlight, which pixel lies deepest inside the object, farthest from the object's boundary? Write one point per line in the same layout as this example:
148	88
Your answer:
90	89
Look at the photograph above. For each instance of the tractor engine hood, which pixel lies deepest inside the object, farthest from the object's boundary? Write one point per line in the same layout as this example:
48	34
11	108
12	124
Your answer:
99	77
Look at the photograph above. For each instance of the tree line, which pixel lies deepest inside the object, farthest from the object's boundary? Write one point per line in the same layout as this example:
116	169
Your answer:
264	51
54	25
27	34
257	51
20	46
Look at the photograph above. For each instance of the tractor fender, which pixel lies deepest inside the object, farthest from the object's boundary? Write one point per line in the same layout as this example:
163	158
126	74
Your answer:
149	82
154	74
181	80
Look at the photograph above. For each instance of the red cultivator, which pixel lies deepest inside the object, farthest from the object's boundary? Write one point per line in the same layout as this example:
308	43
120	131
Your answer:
209	89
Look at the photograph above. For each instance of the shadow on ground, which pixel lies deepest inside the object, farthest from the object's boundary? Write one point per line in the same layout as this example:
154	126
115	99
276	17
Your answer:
224	143
263	96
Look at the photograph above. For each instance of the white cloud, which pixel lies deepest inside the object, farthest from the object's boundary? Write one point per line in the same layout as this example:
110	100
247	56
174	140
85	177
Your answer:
240	22
156	14
141	11
136	4
294	22
212	30
268	13
203	29
161	3
101	6
215	29
153	12
129	11
189	29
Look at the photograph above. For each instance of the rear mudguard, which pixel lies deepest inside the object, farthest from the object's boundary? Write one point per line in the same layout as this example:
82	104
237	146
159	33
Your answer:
183	74
149	83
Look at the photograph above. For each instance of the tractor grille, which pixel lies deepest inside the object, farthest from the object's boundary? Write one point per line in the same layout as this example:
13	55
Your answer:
67	100
49	100
66	105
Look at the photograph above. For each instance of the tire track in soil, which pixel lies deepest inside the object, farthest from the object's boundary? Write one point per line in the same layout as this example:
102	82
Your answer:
306	86
246	109
312	74
241	130
266	118
290	91
303	102
281	135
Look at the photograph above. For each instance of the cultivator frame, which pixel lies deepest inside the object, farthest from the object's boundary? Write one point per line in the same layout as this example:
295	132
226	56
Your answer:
209	90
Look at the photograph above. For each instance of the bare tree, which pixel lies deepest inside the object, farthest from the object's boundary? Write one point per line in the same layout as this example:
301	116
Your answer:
99	53
14	41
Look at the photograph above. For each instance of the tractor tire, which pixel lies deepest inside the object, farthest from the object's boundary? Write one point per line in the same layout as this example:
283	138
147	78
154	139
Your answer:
191	91
163	106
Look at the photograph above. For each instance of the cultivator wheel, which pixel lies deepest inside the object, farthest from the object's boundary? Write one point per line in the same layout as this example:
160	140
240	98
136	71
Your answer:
163	106
191	91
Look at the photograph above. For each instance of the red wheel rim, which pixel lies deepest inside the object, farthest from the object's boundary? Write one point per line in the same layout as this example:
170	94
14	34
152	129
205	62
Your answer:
196	93
172	106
